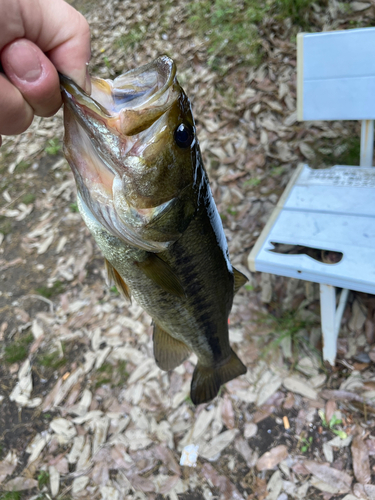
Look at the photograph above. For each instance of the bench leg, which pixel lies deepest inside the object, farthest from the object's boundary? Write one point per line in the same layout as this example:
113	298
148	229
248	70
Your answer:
331	319
328	314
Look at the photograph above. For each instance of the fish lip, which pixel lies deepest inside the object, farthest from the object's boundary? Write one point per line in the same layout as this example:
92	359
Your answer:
75	94
80	103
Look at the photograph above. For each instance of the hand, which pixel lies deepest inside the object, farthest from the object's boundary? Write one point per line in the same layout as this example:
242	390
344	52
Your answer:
37	39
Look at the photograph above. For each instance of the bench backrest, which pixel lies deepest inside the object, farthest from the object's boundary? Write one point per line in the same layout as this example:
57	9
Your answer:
336	75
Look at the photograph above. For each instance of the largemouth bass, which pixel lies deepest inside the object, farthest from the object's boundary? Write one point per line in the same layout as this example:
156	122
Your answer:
144	195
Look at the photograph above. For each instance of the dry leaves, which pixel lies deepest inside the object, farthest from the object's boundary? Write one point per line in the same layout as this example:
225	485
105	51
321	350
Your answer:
361	463
328	479
272	457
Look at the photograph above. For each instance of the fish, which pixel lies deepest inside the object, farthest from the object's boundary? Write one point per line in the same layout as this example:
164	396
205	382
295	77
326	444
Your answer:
144	194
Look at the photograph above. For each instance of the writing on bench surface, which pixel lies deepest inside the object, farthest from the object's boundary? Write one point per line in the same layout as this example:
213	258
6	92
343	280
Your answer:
341	176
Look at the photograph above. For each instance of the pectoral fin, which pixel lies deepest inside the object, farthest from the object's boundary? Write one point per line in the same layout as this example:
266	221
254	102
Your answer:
168	351
206	381
113	277
161	273
239	279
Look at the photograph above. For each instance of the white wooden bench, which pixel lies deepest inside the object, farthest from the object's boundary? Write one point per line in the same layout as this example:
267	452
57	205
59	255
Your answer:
329	209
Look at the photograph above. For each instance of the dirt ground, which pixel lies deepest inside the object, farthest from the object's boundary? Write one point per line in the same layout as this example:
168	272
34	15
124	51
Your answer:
84	411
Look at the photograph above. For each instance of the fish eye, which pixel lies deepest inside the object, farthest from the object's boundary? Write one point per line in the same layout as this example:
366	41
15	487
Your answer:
184	136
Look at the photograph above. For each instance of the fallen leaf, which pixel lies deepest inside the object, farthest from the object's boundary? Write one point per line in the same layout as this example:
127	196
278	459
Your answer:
227	413
54	480
244	449
361	462
339	480
64	427
79	484
214	447
20	483
300	386
272	457
222	483
8	465
250	430
330	409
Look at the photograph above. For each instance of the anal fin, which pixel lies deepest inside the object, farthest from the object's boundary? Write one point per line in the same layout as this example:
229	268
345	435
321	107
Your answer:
113	277
239	279
206	381
168	351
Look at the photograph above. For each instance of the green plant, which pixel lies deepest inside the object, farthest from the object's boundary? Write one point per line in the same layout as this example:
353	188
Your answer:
28	198
189	401
341	152
306	443
18	350
249	288
114	290
252	182
53	147
5	225
121	372
106	62
287	327
229	27
231	211
332	424
103	375
22	166
295	10
55	289
52	360
134	35
10	495
73	207
276	171
351	153
43	479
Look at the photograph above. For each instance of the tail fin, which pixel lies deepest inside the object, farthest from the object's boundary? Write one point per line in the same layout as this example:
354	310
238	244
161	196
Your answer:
206	381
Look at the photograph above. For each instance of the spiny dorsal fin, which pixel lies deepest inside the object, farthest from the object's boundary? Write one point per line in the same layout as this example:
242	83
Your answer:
113	277
239	279
161	273
206	381
168	351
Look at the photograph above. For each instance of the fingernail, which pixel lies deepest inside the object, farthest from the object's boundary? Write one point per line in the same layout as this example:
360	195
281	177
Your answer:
24	62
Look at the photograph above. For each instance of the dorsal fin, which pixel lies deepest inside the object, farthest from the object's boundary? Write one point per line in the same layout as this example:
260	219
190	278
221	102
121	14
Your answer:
162	274
168	351
239	279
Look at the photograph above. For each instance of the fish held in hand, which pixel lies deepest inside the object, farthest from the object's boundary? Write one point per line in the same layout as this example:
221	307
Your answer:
144	194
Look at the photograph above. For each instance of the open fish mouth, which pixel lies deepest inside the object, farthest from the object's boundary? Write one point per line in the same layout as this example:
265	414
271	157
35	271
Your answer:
131	102
114	139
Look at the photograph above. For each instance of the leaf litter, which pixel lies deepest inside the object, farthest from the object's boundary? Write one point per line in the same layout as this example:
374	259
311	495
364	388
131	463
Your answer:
108	422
